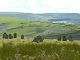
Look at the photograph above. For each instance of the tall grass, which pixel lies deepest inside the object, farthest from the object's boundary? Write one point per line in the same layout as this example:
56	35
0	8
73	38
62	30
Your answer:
26	50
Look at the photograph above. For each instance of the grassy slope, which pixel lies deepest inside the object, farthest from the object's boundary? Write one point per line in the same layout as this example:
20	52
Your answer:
26	27
49	49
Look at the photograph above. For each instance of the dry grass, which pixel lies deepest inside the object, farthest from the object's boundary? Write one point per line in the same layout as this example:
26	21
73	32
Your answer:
17	49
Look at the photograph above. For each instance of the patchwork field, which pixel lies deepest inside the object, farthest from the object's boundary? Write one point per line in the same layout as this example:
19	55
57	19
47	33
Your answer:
17	49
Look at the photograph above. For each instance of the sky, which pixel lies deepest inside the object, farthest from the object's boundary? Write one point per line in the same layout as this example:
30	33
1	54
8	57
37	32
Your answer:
40	6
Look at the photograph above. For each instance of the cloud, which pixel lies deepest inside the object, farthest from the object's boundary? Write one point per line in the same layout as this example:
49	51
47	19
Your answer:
40	6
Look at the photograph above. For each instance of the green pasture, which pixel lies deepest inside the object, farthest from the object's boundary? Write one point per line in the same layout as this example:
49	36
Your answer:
32	28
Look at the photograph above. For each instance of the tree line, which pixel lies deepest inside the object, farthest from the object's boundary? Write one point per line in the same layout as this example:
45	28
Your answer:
37	39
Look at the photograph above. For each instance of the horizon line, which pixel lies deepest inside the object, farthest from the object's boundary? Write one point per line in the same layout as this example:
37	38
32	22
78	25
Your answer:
38	13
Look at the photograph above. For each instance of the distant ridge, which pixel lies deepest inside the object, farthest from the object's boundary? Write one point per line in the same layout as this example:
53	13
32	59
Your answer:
50	17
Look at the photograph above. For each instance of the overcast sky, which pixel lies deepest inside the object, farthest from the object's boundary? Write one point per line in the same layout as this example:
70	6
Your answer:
40	6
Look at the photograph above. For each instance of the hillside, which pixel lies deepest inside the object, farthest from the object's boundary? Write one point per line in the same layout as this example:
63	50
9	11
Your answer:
47	17
33	28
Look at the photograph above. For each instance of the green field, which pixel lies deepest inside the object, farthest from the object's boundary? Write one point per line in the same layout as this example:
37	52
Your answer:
17	49
33	28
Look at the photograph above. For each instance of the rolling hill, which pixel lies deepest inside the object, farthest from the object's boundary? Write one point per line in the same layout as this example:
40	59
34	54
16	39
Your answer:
48	17
32	28
31	25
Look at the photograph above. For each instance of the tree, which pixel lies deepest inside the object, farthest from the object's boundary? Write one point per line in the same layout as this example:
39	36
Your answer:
70	38
64	38
59	38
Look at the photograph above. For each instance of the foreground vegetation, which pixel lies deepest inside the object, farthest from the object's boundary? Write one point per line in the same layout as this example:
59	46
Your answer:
17	49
